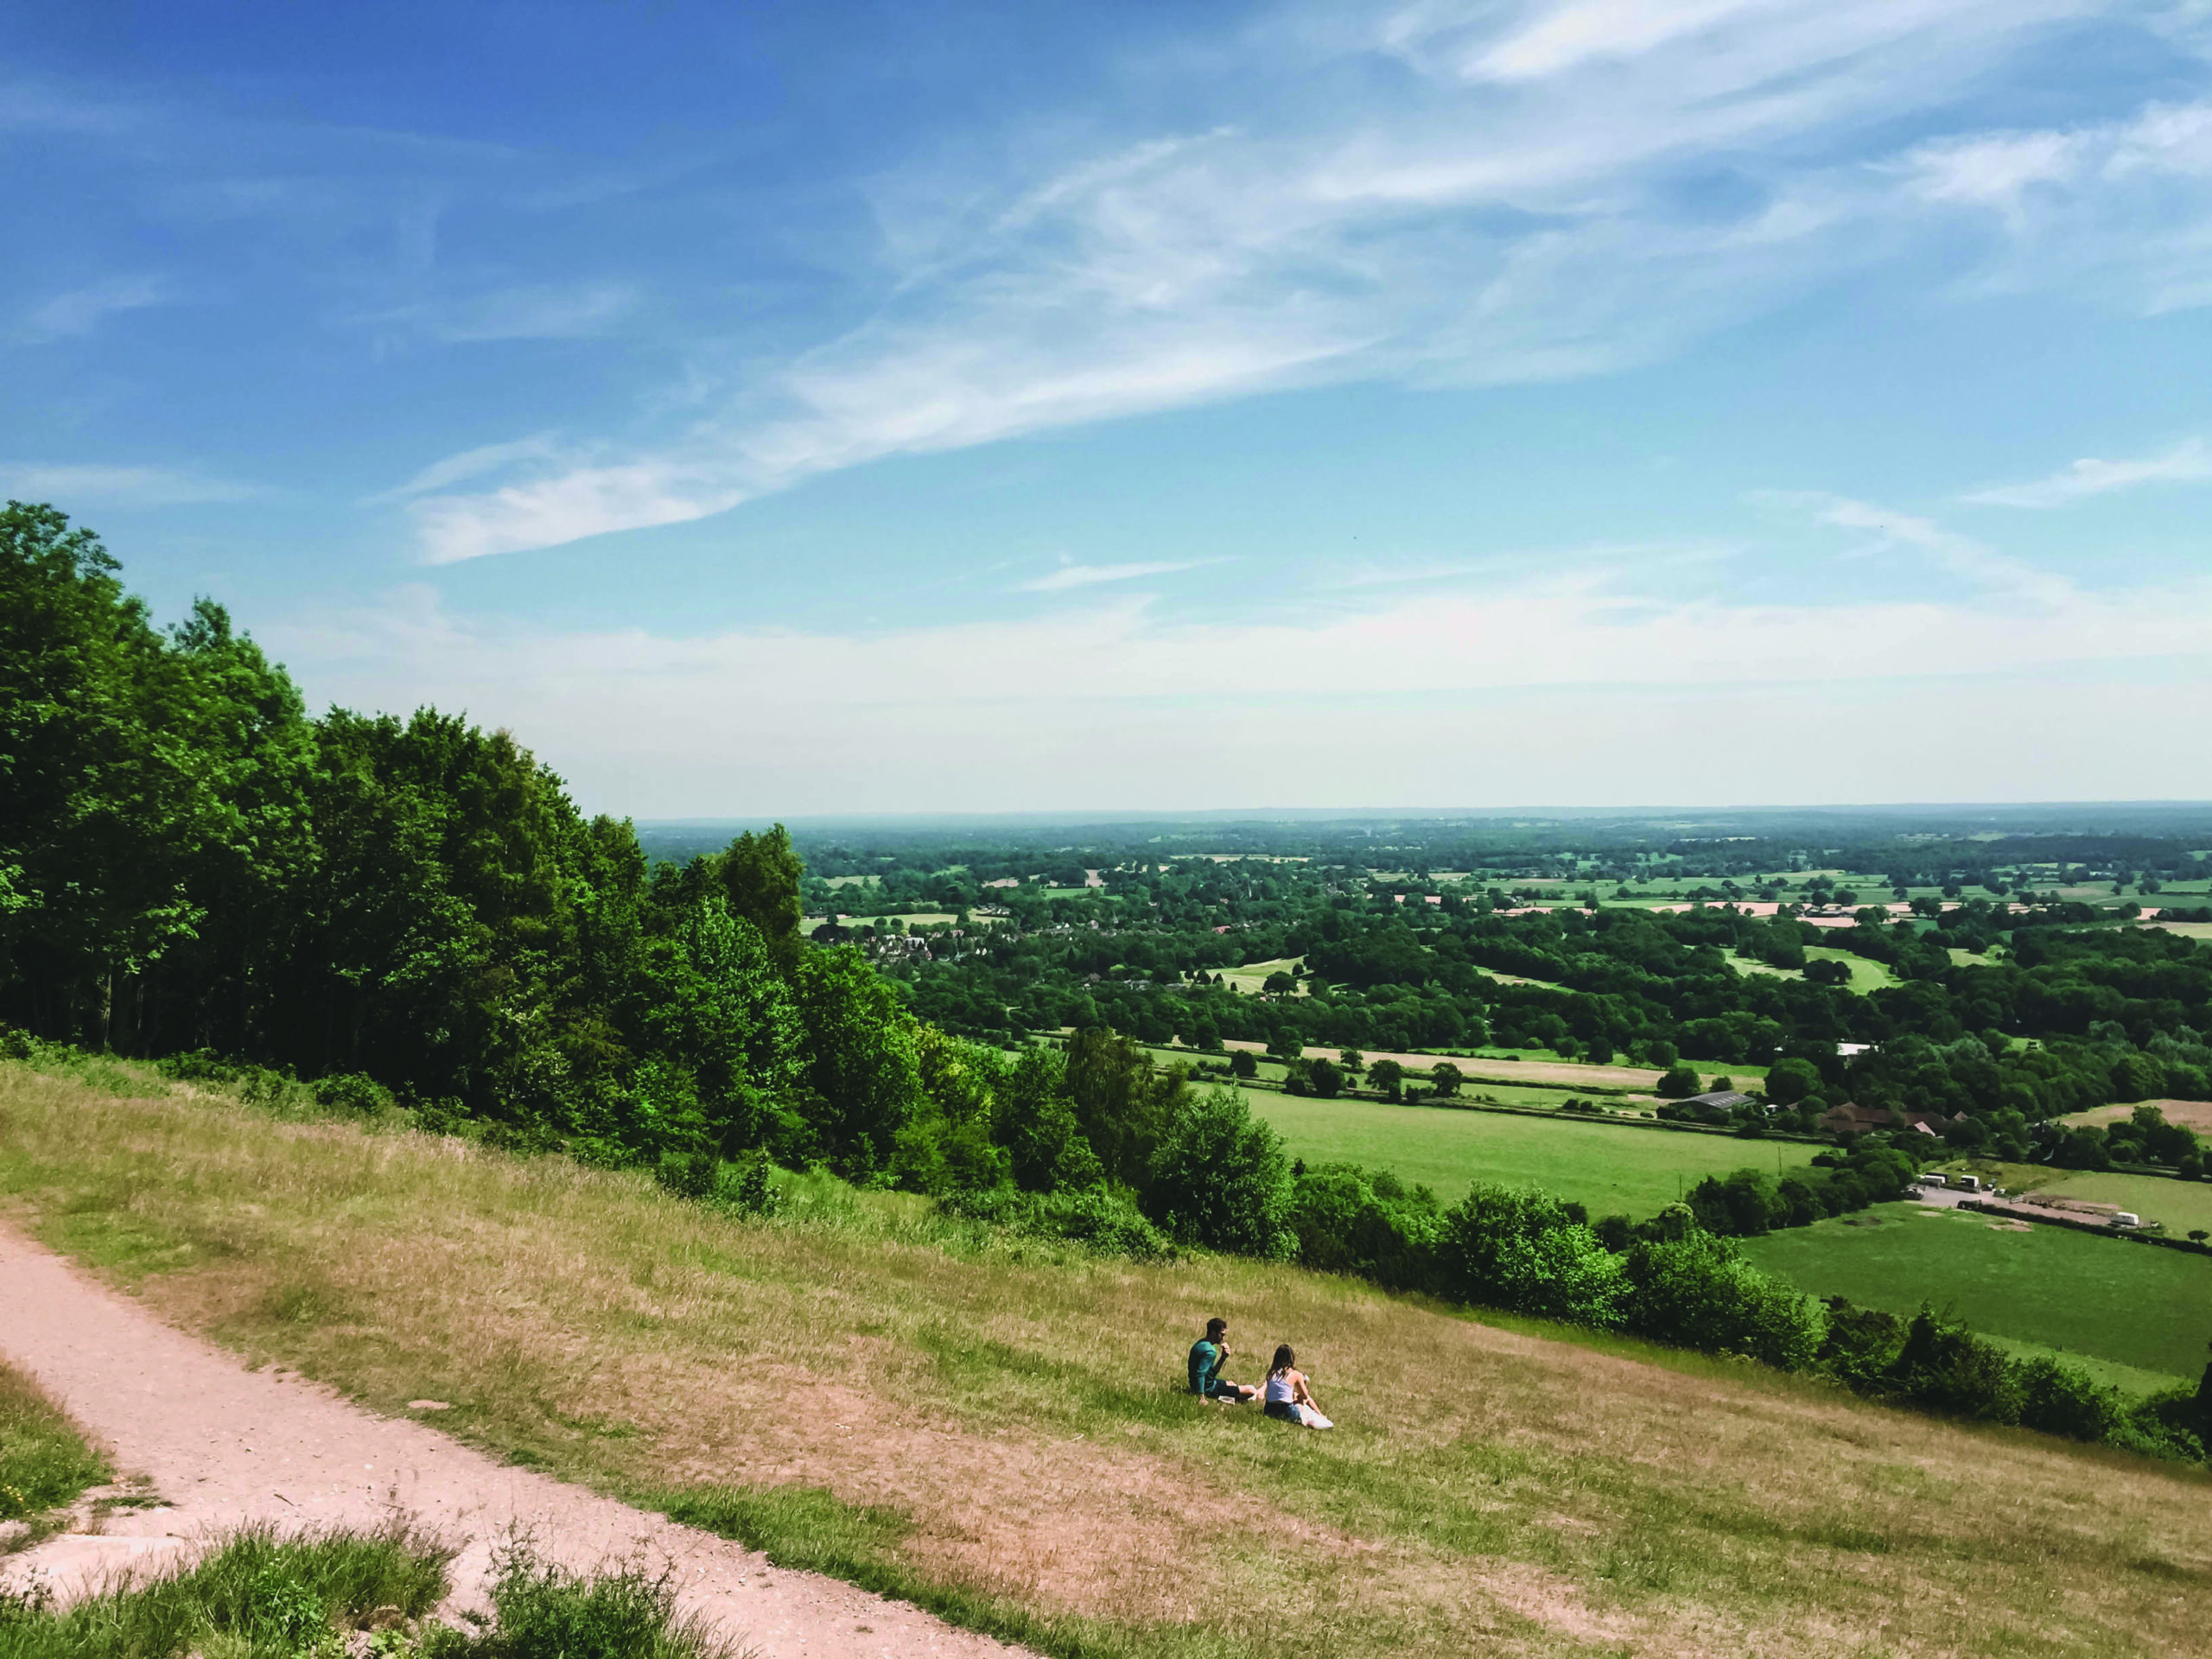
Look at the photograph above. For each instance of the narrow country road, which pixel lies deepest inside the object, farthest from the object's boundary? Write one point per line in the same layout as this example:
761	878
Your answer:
222	1445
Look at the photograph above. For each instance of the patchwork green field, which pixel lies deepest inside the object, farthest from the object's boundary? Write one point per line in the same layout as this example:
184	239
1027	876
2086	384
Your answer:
1612	1168
2135	1305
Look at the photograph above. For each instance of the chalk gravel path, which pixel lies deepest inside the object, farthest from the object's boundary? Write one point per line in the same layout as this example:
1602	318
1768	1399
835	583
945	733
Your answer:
222	1445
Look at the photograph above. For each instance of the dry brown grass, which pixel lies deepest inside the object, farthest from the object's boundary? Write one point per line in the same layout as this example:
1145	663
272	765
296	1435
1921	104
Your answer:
2195	1114
1492	1488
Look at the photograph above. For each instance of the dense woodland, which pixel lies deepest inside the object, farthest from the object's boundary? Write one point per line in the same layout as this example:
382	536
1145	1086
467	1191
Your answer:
413	916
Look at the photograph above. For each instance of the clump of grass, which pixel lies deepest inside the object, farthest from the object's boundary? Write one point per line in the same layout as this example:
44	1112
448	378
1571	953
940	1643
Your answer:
543	1612
44	1461
258	1597
263	1597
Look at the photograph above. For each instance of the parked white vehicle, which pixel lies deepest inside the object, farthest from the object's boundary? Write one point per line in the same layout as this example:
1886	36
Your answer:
2126	1218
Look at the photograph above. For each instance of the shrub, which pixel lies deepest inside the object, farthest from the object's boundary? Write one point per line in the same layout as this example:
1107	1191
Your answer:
748	1188
1107	1223
688	1174
350	1091
2059	1400
1219	1179
1348	1219
1861	1346
1514	1248
1946	1368
1697	1291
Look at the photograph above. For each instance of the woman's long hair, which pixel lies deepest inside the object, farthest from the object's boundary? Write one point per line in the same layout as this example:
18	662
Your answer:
1284	1360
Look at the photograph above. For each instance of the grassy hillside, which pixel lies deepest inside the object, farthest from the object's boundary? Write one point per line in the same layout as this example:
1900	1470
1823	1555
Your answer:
2105	1298
1612	1169
994	1424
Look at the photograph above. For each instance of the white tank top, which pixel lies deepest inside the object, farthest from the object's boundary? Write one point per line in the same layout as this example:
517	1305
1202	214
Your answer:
1278	1390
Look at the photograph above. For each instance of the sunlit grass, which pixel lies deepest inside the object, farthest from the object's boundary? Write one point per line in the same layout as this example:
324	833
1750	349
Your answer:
45	1461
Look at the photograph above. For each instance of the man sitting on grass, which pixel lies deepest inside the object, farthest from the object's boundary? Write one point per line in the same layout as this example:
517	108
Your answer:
1207	1355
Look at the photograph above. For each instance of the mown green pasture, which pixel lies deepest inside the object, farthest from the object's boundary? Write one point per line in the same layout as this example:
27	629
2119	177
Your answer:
1612	1168
2108	1299
1865	975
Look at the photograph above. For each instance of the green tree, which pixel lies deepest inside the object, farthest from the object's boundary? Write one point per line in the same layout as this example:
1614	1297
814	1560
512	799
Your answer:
1035	1120
862	1080
1789	1081
1447	1076
761	876
1122	1104
719	1007
101	809
1219	1179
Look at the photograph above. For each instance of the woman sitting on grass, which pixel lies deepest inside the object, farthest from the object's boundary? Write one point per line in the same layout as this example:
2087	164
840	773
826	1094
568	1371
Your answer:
1288	1397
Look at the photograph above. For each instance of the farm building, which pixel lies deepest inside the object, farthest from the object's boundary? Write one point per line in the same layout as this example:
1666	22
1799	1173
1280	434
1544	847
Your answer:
1726	1100
1851	1119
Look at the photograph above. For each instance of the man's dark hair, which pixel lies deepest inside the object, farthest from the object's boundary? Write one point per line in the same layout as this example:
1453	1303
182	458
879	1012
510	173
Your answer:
1215	1327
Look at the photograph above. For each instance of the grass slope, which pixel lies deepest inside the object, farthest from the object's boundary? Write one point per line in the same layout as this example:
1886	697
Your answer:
994	1424
1612	1168
2134	1304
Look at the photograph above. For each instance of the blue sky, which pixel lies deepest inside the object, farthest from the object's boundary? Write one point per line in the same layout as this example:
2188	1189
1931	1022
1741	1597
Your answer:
856	408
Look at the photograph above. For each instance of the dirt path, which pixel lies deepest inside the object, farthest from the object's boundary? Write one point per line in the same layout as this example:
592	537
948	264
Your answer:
222	1445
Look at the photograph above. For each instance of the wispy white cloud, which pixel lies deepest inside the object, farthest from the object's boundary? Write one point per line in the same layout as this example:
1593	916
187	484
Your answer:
470	463
82	310
1511	206
564	507
2119	210
2189	461
116	486
1962	555
1090	575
